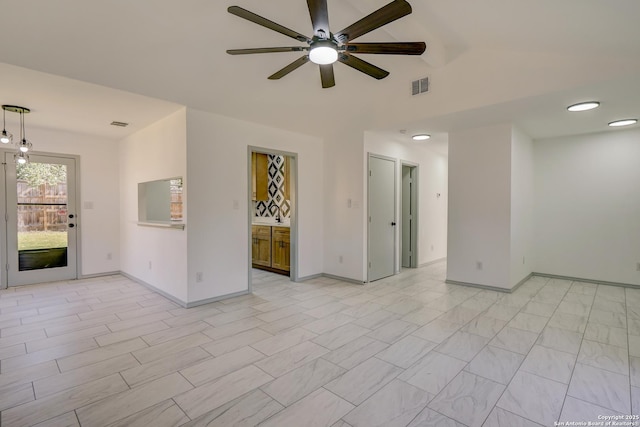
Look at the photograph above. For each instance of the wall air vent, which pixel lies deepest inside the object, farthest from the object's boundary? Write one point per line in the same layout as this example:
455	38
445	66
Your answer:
420	86
120	124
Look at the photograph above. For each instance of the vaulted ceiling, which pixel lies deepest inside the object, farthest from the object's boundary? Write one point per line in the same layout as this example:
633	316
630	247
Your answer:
488	61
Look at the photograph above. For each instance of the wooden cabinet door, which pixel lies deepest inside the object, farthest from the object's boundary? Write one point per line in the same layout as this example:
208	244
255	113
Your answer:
253	176
261	245
281	249
262	177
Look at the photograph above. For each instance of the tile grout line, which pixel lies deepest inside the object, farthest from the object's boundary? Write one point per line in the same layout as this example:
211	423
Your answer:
495	405
564	401
525	357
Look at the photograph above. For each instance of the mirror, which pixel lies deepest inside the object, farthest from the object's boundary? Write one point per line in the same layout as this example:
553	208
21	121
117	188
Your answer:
160	201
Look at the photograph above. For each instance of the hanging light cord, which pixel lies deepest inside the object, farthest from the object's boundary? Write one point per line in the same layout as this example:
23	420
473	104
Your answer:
21	126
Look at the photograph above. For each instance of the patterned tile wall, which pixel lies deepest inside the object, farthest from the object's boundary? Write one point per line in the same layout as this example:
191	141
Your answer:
275	183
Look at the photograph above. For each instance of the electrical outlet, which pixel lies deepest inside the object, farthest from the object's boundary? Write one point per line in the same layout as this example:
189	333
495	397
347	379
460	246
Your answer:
340	259
109	256
150	265
478	265
432	247
199	277
523	260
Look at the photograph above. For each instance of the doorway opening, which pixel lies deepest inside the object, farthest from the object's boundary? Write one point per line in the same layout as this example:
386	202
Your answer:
40	233
272	214
409	215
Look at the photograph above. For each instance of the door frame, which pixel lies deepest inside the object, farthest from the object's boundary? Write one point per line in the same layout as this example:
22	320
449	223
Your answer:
293	225
415	197
395	211
4	277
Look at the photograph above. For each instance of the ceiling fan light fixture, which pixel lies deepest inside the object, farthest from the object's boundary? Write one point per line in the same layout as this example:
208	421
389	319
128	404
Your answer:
625	122
421	137
323	53
583	106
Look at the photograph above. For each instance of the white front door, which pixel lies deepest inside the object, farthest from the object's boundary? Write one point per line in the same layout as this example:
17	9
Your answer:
41	219
382	217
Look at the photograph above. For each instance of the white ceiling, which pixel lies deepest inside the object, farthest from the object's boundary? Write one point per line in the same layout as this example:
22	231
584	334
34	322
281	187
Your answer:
65	104
489	61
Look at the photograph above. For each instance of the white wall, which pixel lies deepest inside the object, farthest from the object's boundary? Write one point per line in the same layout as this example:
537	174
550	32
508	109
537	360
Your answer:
479	206
344	224
156	152
99	181
217	225
587	206
522	253
432	210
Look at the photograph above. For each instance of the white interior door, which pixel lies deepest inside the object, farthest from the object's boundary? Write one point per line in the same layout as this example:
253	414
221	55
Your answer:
406	216
382	217
41	219
409	223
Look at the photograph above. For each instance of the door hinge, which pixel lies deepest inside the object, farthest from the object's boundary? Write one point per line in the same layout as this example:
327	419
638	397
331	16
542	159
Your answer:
369	219
369	264
6	217
369	172
6	267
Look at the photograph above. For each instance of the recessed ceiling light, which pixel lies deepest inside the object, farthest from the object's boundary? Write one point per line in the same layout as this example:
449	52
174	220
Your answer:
625	122
584	106
421	137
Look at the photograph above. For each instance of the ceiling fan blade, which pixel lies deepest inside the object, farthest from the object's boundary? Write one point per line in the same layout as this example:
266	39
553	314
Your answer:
326	75
410	48
257	19
319	17
364	66
265	50
289	68
386	14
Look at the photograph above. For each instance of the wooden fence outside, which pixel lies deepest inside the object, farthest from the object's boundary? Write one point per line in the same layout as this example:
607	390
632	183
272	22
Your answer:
35	209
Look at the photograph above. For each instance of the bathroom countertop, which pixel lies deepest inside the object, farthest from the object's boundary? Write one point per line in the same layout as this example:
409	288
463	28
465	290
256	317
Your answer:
271	222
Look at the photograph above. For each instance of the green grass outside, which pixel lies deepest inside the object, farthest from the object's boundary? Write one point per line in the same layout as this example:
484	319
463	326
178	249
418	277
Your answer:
41	240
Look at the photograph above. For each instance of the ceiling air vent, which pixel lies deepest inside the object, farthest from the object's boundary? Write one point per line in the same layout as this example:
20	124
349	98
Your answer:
120	124
420	86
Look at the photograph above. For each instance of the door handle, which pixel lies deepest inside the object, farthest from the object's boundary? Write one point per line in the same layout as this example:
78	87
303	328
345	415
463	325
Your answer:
393	224
71	225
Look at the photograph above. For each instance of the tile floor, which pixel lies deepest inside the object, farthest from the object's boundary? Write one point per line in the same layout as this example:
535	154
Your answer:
409	350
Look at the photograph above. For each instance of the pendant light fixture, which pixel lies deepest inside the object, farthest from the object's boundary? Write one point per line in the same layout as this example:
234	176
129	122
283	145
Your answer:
21	157
6	137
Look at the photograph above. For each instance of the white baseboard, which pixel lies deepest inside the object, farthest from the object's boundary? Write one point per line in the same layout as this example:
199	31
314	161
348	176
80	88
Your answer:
435	261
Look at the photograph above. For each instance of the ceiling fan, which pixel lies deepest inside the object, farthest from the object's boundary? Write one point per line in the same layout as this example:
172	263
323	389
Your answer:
325	48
